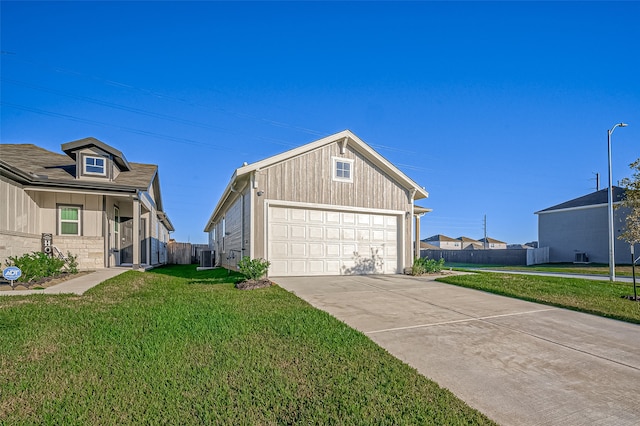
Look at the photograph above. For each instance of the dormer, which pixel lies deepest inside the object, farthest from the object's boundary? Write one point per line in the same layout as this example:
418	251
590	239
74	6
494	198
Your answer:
95	160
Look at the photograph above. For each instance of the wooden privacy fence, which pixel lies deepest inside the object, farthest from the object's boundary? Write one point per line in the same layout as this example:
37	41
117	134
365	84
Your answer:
184	253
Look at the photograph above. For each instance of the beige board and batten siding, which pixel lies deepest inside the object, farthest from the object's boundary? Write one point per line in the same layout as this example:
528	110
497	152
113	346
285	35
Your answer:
18	234
307	179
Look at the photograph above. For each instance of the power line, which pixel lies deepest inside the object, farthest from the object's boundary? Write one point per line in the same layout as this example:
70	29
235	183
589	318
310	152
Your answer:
181	100
123	128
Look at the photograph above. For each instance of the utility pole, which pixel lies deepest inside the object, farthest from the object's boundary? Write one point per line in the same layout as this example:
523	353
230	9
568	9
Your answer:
597	180
485	231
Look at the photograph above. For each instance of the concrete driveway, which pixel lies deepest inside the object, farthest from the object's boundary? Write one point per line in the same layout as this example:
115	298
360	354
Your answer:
519	363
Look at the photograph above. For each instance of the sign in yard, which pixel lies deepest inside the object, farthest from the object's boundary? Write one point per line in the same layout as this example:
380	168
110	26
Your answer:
11	273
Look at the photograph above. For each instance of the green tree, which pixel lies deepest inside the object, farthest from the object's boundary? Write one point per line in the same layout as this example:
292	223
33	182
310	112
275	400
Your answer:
631	233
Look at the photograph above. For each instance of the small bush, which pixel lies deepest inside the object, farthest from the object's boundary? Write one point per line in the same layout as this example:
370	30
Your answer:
36	265
426	266
71	264
253	269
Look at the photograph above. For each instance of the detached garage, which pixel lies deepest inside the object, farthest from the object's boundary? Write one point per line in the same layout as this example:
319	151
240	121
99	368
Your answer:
331	207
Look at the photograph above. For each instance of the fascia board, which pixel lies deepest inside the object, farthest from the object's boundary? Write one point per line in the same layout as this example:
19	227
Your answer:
225	194
358	144
568	209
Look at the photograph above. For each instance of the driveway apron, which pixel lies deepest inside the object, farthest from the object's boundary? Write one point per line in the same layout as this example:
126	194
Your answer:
519	363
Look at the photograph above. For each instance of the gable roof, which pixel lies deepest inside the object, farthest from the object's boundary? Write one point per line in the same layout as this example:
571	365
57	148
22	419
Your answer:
33	165
440	237
594	199
346	137
428	246
467	240
354	142
491	241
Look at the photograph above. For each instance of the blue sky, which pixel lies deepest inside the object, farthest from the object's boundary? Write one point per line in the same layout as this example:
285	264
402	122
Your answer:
498	109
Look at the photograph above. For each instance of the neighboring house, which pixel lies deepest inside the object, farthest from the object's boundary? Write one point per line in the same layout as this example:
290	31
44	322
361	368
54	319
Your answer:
469	243
578	230
91	202
427	246
492	243
334	206
443	242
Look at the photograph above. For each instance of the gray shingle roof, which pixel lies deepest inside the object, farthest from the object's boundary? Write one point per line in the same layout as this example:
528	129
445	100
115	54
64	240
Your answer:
59	169
439	237
595	198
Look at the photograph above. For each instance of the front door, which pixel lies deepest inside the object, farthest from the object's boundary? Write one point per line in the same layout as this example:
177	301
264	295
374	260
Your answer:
126	240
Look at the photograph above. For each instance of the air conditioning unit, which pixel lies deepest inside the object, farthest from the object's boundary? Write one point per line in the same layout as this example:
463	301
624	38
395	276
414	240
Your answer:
581	258
206	258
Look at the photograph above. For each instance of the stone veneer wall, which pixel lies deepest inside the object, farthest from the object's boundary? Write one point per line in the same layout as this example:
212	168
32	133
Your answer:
17	244
90	250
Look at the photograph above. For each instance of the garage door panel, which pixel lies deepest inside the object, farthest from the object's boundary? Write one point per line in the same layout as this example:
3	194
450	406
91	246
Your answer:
278	267
332	234
348	218
316	216
322	242
316	250
279	231
348	234
377	235
298	232
349	250
297	215
332	217
279	249
316	233
333	250
298	250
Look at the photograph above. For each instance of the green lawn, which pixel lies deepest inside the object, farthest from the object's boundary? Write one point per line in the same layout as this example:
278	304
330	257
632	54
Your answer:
567	268
176	346
595	297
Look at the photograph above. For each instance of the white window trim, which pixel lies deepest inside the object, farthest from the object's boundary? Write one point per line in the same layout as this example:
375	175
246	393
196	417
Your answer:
95	157
60	221
334	169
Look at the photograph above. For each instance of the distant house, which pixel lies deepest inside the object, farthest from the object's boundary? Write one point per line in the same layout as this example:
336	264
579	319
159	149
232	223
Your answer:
469	243
492	243
443	242
427	246
89	201
331	207
578	230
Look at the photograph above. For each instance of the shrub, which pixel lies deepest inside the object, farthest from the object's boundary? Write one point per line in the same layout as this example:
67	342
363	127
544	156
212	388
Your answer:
36	265
71	264
426	266
253	269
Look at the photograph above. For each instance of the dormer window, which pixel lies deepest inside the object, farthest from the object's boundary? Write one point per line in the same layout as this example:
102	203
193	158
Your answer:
95	166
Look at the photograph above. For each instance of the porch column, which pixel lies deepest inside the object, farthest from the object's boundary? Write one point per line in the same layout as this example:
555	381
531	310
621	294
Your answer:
136	233
417	237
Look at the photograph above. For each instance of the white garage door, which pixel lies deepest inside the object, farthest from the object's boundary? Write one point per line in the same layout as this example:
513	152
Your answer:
320	242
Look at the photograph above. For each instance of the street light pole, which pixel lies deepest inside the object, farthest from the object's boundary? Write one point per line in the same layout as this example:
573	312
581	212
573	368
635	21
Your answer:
612	261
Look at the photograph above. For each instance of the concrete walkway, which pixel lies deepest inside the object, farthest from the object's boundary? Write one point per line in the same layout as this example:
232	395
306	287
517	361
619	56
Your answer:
74	285
518	362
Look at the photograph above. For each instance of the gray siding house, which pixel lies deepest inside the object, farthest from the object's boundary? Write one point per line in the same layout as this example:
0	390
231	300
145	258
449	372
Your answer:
577	230
330	207
90	200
